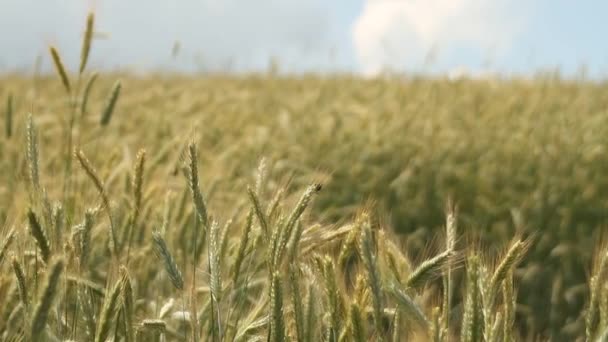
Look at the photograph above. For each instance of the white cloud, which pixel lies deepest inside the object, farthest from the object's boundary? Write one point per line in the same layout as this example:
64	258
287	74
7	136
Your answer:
398	34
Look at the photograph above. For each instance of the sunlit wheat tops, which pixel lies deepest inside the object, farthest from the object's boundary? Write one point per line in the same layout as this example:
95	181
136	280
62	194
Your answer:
86	42
60	68
245	249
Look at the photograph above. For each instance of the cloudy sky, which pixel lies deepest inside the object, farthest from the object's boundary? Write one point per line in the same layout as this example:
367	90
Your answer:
362	36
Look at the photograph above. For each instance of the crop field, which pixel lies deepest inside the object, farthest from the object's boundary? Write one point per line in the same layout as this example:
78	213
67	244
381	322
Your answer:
306	208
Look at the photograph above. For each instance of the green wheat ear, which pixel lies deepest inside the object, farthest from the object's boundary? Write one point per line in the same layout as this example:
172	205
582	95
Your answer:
63	75
162	251
94	177
110	104
8	116
108	312
128	303
21	282
511	258
473	321
87	93
43	308
215	276
32	154
39	235
277	331
86	42
373	273
197	195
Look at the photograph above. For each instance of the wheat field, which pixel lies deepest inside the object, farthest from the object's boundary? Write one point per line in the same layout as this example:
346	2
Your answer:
260	207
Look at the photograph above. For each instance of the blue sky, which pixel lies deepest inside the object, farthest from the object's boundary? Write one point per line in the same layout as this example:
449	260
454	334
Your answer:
361	36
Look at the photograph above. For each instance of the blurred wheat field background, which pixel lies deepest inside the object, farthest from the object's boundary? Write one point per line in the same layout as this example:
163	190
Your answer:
264	207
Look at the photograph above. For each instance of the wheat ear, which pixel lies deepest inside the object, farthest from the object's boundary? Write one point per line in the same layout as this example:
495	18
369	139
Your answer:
60	69
86	42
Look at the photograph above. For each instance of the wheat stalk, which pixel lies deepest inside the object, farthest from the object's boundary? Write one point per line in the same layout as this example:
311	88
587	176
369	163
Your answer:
509	305
356	323
295	243
108	312
310	315
41	312
242	248
296	300
436	329
128	303
277	331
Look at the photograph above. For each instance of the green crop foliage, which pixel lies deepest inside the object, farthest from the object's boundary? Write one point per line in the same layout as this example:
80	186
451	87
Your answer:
156	225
